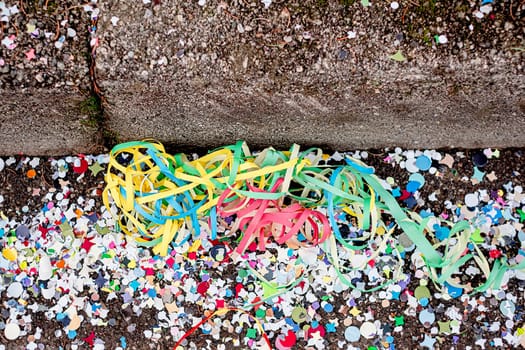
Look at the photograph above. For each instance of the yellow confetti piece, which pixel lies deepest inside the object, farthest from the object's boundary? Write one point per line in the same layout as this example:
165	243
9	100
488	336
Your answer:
354	311
9	253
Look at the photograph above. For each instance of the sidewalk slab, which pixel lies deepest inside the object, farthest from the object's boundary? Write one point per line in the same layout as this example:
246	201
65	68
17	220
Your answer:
323	73
44	78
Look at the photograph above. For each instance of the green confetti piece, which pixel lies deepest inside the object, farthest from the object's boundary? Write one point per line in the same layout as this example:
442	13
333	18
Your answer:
260	313
299	315
101	230
114	285
251	333
398	57
95	168
400	320
475	237
66	229
478	174
422	292
521	214
444	327
365	3
269	290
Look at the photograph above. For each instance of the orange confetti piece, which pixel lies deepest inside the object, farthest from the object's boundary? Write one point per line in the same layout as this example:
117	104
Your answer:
61	264
31	173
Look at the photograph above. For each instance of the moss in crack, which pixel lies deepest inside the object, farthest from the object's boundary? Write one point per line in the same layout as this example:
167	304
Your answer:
111	138
92	108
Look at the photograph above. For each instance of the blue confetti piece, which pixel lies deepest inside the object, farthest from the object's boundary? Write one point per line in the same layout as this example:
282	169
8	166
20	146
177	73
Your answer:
410	202
423	162
442	233
134	285
123	344
328	307
396	192
291	323
454	292
426	213
413	186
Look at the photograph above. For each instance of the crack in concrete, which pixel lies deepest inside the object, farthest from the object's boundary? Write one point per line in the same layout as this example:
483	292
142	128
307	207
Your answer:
105	136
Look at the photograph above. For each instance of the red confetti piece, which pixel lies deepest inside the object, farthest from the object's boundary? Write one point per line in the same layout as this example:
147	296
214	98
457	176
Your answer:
202	288
80	166
289	340
404	195
494	253
90	339
312	330
87	244
170	261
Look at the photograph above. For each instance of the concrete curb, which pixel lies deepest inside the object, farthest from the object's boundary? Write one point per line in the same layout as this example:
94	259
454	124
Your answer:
194	76
45	122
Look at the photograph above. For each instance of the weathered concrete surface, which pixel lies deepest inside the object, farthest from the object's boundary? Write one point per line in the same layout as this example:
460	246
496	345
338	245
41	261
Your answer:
37	122
195	76
44	77
347	122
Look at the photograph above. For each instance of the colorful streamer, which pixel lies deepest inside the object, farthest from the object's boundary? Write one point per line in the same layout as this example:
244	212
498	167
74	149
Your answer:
287	197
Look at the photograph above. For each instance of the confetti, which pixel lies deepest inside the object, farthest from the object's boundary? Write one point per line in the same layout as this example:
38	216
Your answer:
301	296
11	331
398	57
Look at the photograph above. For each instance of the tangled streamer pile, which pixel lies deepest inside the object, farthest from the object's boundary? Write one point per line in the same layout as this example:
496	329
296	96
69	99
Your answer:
290	197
